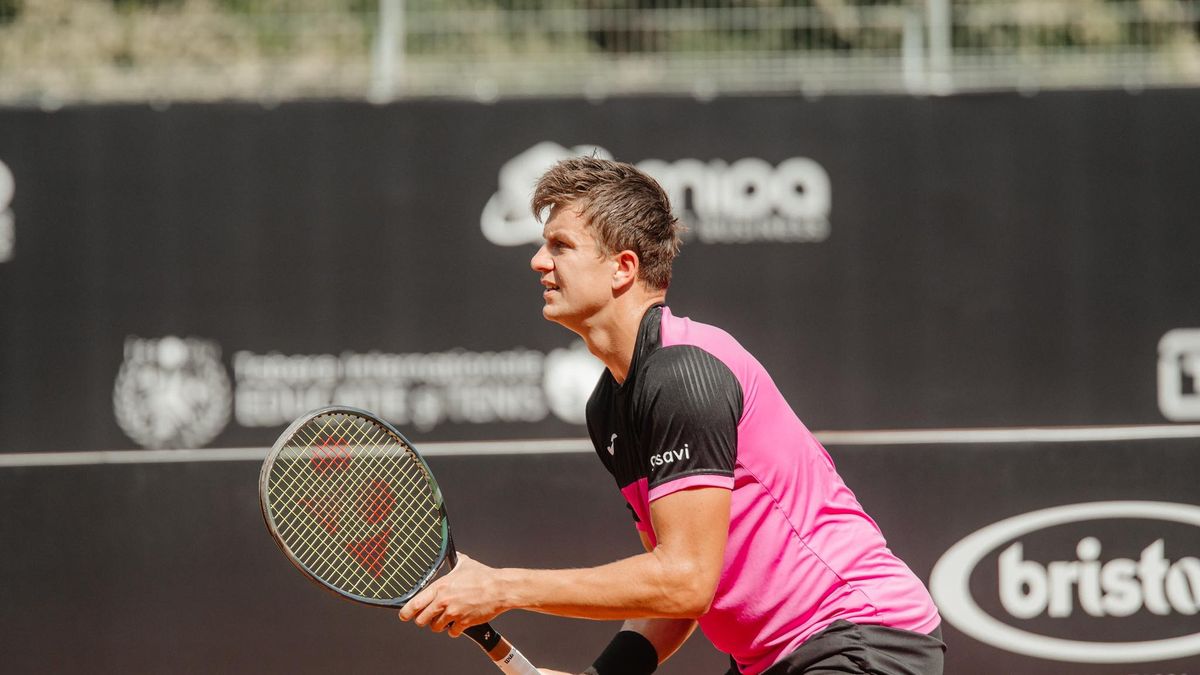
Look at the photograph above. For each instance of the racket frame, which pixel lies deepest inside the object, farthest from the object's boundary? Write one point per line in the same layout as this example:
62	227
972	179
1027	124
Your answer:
447	551
503	654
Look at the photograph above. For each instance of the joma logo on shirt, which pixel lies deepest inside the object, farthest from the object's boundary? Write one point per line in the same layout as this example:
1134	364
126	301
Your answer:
669	456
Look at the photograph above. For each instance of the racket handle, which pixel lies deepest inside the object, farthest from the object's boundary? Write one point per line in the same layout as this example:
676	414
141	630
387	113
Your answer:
503	654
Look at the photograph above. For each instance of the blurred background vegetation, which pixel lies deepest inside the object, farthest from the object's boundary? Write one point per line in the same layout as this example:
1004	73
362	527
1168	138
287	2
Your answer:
54	51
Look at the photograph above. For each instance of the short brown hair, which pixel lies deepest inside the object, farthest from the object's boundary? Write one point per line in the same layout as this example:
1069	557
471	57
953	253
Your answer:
623	206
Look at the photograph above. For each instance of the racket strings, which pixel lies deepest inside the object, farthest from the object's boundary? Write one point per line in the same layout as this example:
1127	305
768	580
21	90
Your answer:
356	507
369	551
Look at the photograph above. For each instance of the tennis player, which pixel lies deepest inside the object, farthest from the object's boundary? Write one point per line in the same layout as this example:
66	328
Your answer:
749	531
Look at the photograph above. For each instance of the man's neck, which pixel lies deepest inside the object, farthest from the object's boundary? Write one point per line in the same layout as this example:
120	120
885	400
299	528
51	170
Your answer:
612	336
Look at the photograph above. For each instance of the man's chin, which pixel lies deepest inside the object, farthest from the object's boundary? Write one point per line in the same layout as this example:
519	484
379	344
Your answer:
555	315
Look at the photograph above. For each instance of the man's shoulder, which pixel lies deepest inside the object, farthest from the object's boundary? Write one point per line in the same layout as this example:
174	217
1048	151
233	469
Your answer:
681	330
686	375
676	362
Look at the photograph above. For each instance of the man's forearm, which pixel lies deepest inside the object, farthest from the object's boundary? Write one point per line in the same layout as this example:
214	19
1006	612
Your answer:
667	635
676	579
647	585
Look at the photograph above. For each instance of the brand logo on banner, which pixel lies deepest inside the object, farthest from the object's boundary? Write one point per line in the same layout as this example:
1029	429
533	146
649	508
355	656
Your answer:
8	233
1079	589
745	201
176	393
421	390
506	218
1179	375
172	392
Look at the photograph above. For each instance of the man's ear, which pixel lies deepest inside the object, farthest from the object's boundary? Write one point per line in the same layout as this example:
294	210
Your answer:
625	270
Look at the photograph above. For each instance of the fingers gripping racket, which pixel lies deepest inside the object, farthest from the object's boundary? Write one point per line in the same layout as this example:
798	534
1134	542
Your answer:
356	509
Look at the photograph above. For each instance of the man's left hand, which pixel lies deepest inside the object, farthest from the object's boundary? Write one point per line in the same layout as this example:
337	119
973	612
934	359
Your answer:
467	596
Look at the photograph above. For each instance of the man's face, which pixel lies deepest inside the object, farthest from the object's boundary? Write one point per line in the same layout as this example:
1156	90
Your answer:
577	280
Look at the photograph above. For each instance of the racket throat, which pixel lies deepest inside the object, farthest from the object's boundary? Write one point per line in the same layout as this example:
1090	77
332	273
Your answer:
488	639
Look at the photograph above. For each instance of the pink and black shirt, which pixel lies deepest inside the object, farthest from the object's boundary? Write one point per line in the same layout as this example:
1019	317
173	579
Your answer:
697	410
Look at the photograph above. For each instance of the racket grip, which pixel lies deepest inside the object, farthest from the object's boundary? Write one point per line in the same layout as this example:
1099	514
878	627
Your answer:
500	651
514	663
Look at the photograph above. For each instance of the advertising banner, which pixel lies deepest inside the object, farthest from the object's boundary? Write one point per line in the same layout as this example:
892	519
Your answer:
1078	558
1048	558
200	275
195	277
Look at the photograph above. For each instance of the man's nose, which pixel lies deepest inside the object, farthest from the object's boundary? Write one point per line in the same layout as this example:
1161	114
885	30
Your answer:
541	260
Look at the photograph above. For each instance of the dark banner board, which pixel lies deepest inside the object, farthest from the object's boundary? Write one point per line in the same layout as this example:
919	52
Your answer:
1047	559
198	276
1075	558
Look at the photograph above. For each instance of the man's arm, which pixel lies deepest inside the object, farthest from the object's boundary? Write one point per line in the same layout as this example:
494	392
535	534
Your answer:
676	579
667	635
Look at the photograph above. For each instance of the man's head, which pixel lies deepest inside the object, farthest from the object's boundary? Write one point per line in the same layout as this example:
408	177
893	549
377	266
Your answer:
623	209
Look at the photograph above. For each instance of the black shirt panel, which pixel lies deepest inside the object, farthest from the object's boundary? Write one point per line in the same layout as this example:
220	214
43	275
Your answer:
687	408
675	415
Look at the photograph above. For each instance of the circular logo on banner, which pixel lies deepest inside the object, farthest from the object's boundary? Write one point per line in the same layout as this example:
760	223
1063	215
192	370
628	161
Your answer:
7	235
569	379
172	392
1152	585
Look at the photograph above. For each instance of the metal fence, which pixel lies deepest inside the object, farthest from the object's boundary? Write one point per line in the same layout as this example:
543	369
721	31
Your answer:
66	50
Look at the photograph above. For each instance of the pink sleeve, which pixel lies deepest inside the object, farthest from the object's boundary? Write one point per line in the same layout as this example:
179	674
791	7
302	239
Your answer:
693	481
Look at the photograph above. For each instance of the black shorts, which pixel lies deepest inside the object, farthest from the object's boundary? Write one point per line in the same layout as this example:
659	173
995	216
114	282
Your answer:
863	649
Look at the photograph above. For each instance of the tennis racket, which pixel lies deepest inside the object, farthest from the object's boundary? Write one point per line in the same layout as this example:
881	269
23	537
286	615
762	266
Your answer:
356	509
